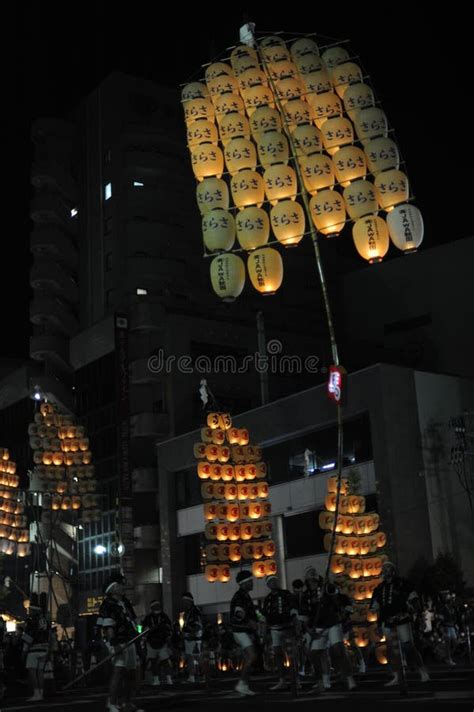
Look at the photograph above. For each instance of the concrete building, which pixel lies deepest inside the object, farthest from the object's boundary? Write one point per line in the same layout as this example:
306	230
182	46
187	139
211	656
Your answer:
398	435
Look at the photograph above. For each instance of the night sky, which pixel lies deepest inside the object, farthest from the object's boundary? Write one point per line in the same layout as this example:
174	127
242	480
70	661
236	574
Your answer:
420	69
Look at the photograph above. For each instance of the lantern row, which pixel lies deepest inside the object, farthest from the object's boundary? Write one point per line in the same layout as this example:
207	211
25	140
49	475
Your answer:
233	475
310	92
14	532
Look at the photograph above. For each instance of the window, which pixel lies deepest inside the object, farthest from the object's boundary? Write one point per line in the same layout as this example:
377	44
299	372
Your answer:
108	191
303	535
141	291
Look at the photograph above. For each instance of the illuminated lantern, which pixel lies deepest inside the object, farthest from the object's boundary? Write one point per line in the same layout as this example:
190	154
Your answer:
244	64
308	64
207	160
360	525
251	77
247	188
224	84
218	489
242	492
257	530
334	56
228	104
326	520
290	88
223	454
212	452
318	172
371	238
332	485
256	97
234	552
253	228
328	212
336	132
210	511
217	435
307	139
362	638
204	470
227	276
47	458
360	198
324	106
382	154
270	567
212	573
197	109
207	490
266	509
239	471
258	569
405	225
194	90
225	421
233	436
213	421
261	470
282	70
357	97
201	132
218	230
231	492
245	531
255	510
381	654
227	473
263	490
372	616
297	113
272	148
223	552
246	551
357	569
222	532
217	69
221	511
216	472
280	182
240	53
345	74
265	268
233	126
257	551
370	123
234	532
381	539
317	82
212	193
275	53
253	492
353	547
212	552
240	153
349	164
392	188
58	458
337	564
304	46
288	222
66	503
244	508
264	119
244	436
364	546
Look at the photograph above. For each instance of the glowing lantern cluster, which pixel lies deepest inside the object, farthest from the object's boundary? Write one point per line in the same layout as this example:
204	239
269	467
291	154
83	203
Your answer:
268	115
357	558
14	532
63	468
235	494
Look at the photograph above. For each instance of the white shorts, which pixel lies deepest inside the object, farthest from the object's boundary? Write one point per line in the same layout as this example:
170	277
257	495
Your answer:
163	653
192	647
404	632
279	637
243	640
36	659
327	637
127	658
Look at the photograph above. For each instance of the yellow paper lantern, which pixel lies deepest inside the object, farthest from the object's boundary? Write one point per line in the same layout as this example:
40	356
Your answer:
247	188
272	148
234	552
308	63
263	490
280	183
218	230
370	123
334	56
275	53
298	112
317	82
224	573
244	64
288	222
382	154
290	88
318	172
371	238
282	70
223	84
244	436
228	104
336	132
392	187
258	569
212	573
270	567
240	153
201	132
212	193
265	268
349	165
198	109
325	106
252	77
256	97
345	74
253	228
307	139
194	90
304	46
328	212
233	126
360	198
357	97
217	69
227	276
264	119
240	53
405	225
207	160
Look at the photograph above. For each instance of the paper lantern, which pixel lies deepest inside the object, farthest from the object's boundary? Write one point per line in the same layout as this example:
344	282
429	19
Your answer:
212	193
270	567
201	132
256	97
250	472
255	510
242	492
218	230
336	132
216	472
317	82
224	84
226	104
357	97
194	90
263	490
253	228
240	153
337	564
290	88
307	140
217	435
370	123
297	113
212	573
328	212
222	511
304	46
392	188
334	56
275	53
257	529
360	198
197	109
318	172
227	473
265	268
223	552
204	468
266	509
245	531
234	532
210	511
371	238
264	119
207	490
357	569
240	54
218	489
258	569
282	70
212	452
261	469
223	454
247	188
325	106
345	74
308	64
349	164
272	148
253	492
381	654
233	436
288	222
381	539
207	161
257	551
382	154
212	552
217	69
332	485
233	126
280	183
244	508
230	492
246	550
234	552
222	532
251	77
227	276
405	226
244	436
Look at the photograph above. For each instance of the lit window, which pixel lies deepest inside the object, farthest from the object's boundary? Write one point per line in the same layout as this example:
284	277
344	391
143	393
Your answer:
138	184
108	191
74	212
142	291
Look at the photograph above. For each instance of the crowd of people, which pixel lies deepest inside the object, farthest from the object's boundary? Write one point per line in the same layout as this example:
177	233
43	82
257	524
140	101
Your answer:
296	634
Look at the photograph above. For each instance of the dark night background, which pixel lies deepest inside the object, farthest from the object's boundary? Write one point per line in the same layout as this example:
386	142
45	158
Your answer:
58	52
